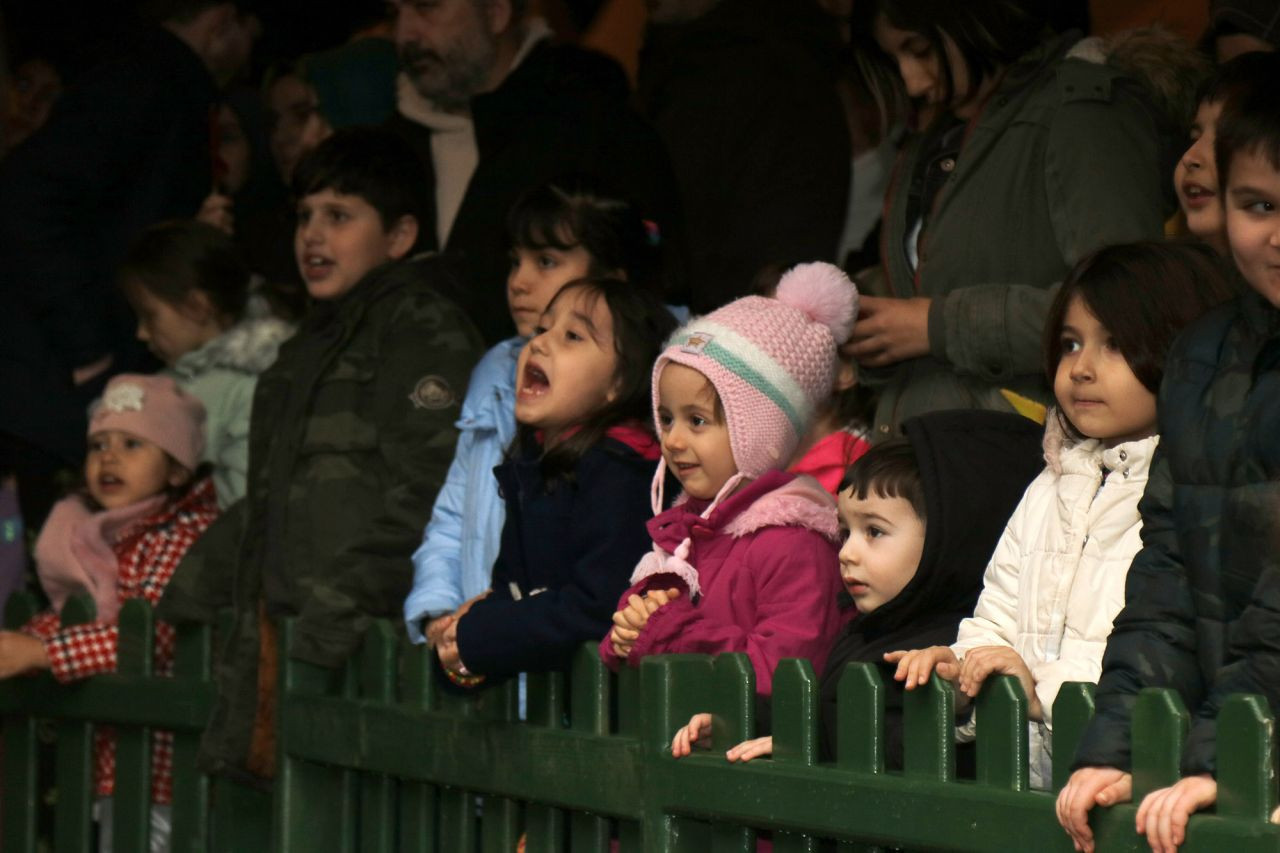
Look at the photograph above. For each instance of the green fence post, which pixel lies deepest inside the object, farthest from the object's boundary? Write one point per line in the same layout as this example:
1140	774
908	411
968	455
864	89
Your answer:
457	819
377	663
21	779
131	807
590	687
192	661
545	830
314	804
418	800
626	687
1246	758
1002	734
860	729
500	818
1159	731
1072	711
795	734
929	734
672	689
74	760
732	704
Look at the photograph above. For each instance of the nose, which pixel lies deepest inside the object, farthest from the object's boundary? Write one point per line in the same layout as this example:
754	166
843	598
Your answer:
673	439
849	554
518	278
538	344
141	334
407	26
1082	366
914	78
310	231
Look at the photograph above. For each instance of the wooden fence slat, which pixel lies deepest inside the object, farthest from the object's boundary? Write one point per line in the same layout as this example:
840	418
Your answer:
377	662
1002	745
1246	758
193	661
929	738
418	800
1160	723
590	694
131	802
795	733
1072	711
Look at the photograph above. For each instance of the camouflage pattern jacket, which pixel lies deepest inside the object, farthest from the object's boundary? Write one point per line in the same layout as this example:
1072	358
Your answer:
1202	600
351	435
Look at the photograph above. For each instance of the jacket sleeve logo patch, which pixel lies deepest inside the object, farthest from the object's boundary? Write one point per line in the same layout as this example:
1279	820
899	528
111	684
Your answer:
432	392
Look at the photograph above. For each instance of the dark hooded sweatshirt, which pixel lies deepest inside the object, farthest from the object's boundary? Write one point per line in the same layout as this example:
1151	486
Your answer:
974	467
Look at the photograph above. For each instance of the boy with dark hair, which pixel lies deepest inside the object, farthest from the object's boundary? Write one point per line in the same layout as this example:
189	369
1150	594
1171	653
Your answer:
1203	594
920	516
351	435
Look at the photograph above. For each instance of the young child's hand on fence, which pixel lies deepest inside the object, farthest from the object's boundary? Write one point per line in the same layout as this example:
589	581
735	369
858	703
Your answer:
20	653
447	648
749	749
696	734
1089	787
915	666
1163	815
630	621
435	628
985	661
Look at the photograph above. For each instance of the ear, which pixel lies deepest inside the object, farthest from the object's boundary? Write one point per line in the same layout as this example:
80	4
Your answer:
846	374
196	307
499	15
178	473
402	236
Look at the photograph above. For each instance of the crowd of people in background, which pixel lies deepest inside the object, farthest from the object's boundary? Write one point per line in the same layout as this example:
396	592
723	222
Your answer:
939	336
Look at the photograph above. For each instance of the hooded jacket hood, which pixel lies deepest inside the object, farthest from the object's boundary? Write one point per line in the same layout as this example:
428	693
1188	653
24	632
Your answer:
249	346
974	467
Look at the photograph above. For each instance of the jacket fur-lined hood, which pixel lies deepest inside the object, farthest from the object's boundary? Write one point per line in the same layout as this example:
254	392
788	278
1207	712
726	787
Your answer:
250	346
799	503
1168	69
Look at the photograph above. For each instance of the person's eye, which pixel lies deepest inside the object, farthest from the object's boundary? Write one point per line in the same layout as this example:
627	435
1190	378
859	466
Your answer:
697	420
304	216
844	532
513	261
539	330
1070	345
664	420
132	443
338	216
874	532
547	262
1195	132
1260	206
97	446
571	335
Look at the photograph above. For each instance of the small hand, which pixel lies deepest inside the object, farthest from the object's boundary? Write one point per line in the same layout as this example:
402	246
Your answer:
86	372
697	733
1087	787
447	648
915	667
1163	815
628	622
217	210
984	661
749	749
889	330
21	653
435	629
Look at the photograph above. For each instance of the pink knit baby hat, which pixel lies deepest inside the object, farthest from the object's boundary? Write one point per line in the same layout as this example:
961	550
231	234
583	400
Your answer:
771	361
154	408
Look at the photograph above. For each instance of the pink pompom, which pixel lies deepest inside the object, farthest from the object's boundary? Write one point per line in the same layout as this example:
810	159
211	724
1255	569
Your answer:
824	294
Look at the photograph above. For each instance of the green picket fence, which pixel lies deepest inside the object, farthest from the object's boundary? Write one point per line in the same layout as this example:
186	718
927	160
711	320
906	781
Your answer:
378	758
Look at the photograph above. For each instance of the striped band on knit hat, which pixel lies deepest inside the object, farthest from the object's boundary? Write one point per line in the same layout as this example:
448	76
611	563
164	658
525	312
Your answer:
771	361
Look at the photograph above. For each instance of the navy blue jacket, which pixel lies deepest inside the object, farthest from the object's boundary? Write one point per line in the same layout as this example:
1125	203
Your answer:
567	553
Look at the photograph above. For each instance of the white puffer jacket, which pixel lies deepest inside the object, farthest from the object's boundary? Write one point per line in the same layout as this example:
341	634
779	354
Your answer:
1057	578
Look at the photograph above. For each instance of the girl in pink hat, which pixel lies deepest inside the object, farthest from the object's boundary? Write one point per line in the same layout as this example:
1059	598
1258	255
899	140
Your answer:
145	500
746	559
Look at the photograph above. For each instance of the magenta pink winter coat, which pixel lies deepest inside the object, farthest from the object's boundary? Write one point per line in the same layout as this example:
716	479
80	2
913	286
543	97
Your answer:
769	577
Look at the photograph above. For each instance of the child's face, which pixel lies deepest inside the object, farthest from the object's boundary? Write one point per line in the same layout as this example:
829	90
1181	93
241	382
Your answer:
695	440
1253	222
171	331
536	275
1094	384
341	237
122	469
1195	178
567	370
882	552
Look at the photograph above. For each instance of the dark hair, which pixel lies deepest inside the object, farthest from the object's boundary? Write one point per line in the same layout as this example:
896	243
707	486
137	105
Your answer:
1250	119
1143	294
889	470
575	212
375	165
641	326
989	34
1234	78
171	259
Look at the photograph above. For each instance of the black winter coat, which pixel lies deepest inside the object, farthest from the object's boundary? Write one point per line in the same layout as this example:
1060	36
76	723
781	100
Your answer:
1202	598
563	111
567	553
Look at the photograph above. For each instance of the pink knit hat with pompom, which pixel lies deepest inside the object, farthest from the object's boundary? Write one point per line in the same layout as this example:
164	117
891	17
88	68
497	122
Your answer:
771	361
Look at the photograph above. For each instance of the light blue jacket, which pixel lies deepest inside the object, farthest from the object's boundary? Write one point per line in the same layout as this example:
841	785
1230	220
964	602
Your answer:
460	544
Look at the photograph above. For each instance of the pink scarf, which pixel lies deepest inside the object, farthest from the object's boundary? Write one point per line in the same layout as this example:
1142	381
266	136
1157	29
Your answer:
75	553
